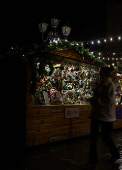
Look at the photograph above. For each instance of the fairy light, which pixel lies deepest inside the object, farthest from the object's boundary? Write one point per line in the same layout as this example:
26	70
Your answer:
98	41
92	42
111	39
100	54
105	40
119	38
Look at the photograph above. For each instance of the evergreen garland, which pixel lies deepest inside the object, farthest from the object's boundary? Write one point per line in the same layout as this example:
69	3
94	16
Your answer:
53	47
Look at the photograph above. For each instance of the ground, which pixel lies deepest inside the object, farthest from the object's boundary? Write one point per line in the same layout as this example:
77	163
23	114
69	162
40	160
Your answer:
66	155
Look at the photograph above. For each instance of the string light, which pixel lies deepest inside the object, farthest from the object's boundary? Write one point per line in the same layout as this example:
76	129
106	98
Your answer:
98	41
117	57
111	39
104	40
92	42
119	38
106	53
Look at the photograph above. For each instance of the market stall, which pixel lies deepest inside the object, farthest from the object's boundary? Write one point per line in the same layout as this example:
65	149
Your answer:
118	86
118	93
59	87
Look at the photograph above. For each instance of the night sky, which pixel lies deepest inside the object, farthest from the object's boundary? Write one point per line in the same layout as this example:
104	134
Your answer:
20	20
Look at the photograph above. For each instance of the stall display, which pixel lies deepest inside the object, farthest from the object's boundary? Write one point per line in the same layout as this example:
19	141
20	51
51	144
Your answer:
64	83
118	85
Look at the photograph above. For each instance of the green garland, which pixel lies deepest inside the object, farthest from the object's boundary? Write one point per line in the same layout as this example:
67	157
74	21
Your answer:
52	47
84	53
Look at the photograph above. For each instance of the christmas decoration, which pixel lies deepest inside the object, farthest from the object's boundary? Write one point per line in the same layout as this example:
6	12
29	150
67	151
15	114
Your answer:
46	47
68	83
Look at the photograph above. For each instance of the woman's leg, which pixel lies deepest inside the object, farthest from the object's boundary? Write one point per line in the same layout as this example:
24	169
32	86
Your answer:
106	128
95	124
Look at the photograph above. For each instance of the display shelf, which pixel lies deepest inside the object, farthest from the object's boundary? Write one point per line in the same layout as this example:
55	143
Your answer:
64	85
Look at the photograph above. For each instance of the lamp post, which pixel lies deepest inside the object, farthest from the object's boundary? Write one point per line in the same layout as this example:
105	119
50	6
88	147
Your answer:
43	27
66	31
53	34
54	23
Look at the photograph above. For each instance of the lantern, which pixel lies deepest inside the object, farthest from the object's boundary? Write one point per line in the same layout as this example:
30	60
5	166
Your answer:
66	31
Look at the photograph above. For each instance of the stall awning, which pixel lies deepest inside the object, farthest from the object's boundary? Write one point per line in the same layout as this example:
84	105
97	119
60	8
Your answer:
69	54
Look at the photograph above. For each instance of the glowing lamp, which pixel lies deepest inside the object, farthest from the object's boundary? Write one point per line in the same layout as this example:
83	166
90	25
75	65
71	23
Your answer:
66	31
54	22
43	27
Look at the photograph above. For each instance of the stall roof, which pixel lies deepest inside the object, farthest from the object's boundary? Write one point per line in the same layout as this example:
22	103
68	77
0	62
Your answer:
74	55
69	54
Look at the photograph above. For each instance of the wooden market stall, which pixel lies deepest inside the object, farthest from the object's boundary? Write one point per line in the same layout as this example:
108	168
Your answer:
55	120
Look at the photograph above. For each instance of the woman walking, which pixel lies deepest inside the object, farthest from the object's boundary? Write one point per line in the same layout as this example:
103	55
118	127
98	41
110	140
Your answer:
103	114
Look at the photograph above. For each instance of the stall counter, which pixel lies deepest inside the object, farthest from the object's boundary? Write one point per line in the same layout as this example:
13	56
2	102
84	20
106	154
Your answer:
46	124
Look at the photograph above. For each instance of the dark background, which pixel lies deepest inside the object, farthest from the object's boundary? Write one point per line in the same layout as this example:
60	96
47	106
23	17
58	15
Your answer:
20	20
19	26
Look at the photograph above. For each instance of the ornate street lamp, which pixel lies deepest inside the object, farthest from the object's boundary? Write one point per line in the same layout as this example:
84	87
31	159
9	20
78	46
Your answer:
66	31
53	34
43	27
54	22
